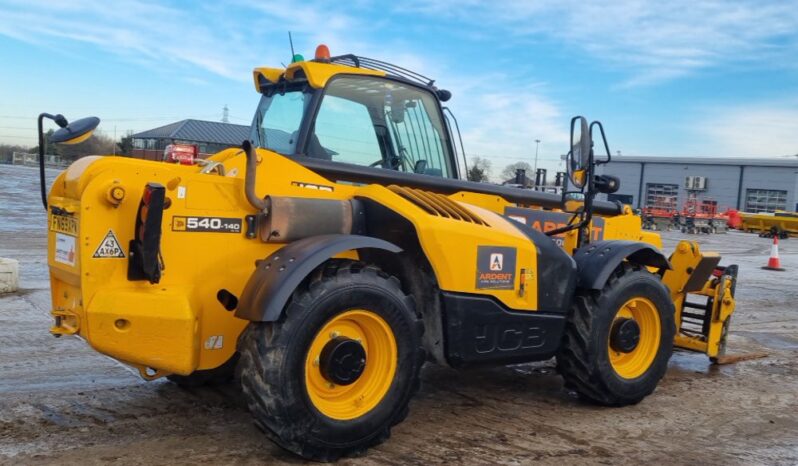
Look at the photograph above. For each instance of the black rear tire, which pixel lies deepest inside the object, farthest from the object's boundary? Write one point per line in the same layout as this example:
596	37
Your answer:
584	356
273	363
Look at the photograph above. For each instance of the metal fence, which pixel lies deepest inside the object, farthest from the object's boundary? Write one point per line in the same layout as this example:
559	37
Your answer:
32	160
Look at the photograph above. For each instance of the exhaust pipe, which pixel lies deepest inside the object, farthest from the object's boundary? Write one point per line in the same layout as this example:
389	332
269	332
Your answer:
249	180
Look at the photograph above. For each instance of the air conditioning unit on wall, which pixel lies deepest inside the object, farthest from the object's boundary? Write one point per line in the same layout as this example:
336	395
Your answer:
695	183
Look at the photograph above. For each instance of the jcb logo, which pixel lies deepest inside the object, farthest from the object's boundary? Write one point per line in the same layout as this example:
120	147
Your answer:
496	262
179	224
491	338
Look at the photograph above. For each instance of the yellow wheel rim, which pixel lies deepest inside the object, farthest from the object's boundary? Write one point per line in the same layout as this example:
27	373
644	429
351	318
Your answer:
345	402
636	362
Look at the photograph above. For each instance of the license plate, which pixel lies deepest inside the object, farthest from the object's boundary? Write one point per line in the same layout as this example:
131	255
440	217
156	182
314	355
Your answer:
64	224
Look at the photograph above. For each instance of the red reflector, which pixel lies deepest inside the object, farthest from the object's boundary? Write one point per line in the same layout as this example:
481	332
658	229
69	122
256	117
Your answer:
145	198
183	154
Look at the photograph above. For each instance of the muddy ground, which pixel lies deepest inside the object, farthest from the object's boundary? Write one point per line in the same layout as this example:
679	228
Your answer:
60	402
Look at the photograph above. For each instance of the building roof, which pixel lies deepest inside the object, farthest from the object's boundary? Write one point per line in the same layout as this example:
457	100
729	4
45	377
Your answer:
199	131
791	162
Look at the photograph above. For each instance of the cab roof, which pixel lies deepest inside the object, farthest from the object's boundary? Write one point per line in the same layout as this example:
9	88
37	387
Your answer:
319	70
317	73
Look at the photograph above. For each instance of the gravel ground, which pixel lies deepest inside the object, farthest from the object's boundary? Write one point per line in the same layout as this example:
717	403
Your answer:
61	402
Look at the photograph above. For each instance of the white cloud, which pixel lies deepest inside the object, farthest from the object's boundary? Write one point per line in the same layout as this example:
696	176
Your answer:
503	127
758	130
652	41
199	36
209	38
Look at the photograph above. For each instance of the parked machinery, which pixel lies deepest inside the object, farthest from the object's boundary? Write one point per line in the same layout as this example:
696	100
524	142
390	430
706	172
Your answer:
327	259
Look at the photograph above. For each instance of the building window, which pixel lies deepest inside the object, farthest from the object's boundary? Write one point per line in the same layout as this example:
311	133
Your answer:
765	200
622	198
662	196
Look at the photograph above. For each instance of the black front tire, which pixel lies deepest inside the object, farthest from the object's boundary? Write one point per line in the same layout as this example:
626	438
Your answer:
584	360
273	360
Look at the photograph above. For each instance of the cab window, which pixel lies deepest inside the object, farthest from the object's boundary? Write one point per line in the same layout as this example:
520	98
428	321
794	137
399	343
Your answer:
381	123
277	120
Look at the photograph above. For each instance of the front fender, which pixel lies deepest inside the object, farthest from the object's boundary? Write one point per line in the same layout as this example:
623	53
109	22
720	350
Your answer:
596	261
276	277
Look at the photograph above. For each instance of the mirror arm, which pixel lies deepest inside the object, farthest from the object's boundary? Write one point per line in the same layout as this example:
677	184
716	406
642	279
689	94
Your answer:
604	138
42	182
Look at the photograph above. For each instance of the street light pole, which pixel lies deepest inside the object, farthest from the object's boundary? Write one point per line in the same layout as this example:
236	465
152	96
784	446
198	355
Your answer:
535	174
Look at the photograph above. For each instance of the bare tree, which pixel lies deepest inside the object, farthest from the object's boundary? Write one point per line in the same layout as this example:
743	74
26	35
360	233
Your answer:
7	149
509	170
479	170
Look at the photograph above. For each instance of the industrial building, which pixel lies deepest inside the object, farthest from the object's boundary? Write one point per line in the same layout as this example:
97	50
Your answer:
209	136
747	184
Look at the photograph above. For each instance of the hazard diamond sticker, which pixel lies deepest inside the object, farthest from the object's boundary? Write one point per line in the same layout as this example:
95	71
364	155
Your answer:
109	247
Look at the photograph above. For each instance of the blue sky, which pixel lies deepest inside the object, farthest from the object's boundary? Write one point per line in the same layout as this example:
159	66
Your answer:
681	78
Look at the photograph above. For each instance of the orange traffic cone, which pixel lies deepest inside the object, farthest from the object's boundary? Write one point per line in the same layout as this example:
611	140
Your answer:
774	263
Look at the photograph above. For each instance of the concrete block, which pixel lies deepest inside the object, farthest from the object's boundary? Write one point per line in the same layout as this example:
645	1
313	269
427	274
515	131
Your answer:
9	275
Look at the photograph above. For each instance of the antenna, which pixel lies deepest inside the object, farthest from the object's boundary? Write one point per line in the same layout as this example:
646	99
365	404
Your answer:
225	114
291	42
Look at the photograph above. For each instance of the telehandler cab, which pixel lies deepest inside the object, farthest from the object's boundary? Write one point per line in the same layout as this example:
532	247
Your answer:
327	259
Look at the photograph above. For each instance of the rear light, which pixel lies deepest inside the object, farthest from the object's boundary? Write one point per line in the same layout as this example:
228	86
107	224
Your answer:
145	261
184	154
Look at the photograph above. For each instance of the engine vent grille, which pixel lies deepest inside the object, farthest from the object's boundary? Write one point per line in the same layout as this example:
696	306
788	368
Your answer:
437	204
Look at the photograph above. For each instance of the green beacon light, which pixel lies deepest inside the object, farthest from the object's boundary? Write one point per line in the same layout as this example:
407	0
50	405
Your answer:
297	58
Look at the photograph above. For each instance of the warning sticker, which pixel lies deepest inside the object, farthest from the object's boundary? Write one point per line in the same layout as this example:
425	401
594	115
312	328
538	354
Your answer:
109	247
495	268
214	342
65	249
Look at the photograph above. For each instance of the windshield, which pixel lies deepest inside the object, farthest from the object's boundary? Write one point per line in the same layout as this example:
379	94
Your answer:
381	123
277	121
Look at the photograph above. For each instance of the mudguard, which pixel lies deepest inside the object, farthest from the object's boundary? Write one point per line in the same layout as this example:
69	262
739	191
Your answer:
596	261
276	277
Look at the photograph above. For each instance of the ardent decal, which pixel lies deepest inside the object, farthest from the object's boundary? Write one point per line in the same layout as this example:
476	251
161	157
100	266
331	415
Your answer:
495	268
545	220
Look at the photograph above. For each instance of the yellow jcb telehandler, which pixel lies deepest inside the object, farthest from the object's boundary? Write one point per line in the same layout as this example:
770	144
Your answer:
339	249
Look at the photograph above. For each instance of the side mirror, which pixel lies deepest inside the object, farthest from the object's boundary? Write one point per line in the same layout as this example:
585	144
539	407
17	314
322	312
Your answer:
75	132
397	108
68	133
579	155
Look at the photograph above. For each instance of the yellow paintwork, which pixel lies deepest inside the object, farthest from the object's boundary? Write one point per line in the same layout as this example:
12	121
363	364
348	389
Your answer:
192	260
316	73
765	222
91	295
684	260
78	140
179	325
636	362
132	326
451	246
351	401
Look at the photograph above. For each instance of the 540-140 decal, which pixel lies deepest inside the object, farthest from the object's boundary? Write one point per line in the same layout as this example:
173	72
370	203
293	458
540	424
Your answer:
207	224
